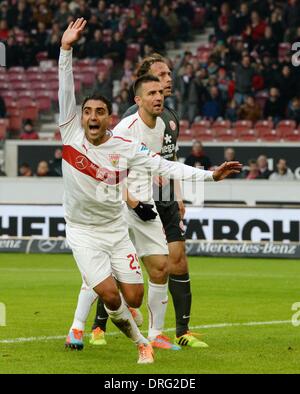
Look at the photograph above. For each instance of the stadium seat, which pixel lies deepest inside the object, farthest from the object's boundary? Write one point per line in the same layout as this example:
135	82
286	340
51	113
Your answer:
286	126
264	129
12	78
3	128
17	86
43	100
185	135
246	134
15	122
39	86
9	97
35	76
17	69
221	124
31	111
52	85
34	69
204	134
4	86
87	79
202	123
24	100
107	62
241	125
13	109
201	130
85	63
264	123
3	77
41	56
269	134
224	134
292	136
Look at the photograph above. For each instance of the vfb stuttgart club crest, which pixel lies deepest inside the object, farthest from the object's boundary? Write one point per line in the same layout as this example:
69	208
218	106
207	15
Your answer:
114	158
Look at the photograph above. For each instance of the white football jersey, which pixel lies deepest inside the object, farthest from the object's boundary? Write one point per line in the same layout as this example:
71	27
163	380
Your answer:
140	185
93	175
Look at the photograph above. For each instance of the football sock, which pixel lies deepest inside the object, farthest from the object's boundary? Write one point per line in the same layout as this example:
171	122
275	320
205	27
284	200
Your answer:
180	289
157	307
101	316
86	299
123	319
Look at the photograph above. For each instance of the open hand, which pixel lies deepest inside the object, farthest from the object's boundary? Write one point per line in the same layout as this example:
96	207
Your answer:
73	33
226	169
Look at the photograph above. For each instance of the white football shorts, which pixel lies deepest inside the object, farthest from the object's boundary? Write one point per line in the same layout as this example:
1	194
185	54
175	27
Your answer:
115	256
148	237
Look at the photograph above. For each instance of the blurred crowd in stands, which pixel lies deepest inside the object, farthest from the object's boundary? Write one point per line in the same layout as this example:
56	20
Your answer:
254	169
243	73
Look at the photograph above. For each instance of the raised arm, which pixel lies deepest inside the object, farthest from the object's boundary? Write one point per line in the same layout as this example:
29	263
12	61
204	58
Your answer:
66	92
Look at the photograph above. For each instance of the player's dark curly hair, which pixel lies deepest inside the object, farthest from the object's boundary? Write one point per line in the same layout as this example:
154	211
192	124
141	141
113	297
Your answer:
97	96
145	65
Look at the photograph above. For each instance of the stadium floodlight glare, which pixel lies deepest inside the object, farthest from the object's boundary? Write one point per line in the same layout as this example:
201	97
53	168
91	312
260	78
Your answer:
2	315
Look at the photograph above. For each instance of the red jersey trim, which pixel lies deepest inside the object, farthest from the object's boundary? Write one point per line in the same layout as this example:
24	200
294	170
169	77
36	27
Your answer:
123	139
132	123
84	165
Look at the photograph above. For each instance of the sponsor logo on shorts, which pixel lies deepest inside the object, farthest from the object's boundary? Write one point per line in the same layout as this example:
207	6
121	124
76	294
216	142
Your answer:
81	162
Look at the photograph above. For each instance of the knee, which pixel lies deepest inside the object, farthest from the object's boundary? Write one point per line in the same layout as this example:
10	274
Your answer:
134	299
111	300
178	263
159	274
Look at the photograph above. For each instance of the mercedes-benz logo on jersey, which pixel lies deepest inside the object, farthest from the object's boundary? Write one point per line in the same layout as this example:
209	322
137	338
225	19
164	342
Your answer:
46	245
81	162
168	139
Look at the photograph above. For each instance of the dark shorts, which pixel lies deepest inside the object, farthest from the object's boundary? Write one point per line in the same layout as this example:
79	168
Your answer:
173	226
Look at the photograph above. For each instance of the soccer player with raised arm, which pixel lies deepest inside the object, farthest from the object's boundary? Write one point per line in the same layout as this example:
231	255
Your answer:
95	165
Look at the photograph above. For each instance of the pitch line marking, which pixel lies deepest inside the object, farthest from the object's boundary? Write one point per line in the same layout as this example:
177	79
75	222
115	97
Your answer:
202	327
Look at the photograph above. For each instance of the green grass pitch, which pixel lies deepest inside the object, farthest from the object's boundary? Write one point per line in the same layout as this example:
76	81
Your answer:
40	294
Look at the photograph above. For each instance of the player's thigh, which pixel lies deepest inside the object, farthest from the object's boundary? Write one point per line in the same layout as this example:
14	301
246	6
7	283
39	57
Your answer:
94	265
157	268
125	263
148	237
127	271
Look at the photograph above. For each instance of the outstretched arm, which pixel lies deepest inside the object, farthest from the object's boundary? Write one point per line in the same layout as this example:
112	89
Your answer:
66	93
146	161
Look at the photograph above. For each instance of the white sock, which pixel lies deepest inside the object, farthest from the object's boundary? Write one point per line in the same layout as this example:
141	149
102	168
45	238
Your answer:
157	307
124	321
86	299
